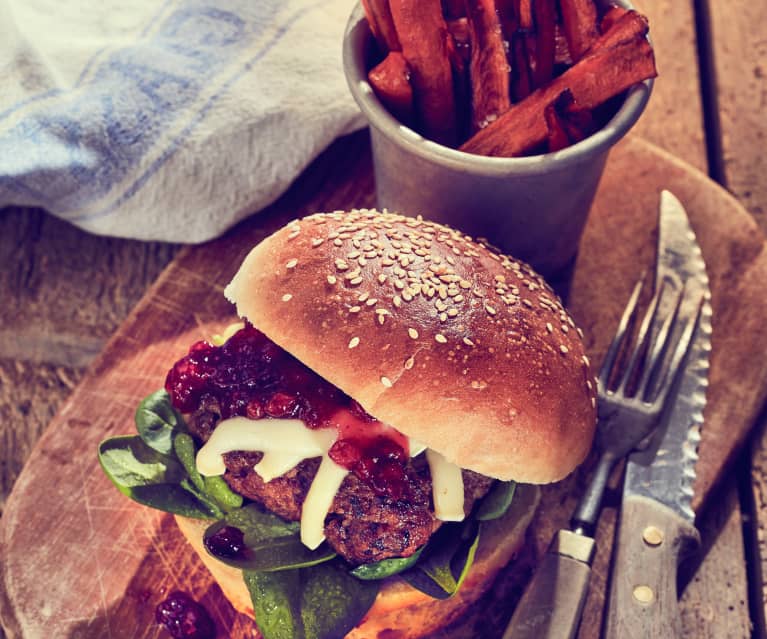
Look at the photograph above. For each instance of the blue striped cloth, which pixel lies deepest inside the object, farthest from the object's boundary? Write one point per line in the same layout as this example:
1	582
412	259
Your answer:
166	120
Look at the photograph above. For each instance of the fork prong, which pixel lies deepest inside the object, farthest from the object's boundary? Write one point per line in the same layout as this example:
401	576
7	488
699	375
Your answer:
658	349
640	346
669	371
612	352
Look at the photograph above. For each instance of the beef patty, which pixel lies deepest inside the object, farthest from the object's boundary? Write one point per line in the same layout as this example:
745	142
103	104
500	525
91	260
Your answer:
362	526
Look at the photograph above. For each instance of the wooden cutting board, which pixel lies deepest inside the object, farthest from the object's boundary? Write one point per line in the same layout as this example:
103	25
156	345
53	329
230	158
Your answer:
80	560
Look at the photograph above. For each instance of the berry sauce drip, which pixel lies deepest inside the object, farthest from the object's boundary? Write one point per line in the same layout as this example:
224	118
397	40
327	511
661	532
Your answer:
184	618
250	376
229	542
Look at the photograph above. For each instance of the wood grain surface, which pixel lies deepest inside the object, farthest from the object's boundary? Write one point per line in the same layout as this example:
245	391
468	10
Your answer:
107	562
58	309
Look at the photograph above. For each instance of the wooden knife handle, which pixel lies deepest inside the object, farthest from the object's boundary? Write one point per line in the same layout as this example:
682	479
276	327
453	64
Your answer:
651	540
552	604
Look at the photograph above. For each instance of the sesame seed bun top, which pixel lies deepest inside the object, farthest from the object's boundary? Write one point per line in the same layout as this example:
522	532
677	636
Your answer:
462	348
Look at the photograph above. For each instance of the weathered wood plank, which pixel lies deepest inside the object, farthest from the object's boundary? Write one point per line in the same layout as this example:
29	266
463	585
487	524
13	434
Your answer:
739	52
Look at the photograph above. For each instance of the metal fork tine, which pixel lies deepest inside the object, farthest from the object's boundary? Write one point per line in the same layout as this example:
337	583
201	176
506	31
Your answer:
659	348
640	347
620	334
665	377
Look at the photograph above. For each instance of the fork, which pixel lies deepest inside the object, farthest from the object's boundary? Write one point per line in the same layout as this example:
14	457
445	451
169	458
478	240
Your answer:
631	402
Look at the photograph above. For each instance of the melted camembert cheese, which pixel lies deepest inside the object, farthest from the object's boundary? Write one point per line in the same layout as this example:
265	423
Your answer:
287	442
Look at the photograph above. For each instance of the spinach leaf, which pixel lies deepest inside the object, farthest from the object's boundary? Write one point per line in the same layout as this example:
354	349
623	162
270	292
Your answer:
149	477
271	544
157	422
446	560
323	602
276	600
496	503
332	601
220	492
386	567
183	446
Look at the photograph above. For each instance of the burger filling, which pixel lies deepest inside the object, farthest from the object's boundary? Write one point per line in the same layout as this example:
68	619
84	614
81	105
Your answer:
347	477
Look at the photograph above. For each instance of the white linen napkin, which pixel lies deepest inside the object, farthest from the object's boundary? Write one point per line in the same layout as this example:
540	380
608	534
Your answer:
166	120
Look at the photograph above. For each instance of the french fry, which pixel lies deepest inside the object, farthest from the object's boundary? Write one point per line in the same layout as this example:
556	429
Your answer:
566	126
579	21
459	54
381	24
600	75
628	26
521	82
545	13
611	16
423	37
489	68
390	81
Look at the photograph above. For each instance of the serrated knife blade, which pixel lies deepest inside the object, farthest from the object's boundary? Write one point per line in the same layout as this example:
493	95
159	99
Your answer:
656	523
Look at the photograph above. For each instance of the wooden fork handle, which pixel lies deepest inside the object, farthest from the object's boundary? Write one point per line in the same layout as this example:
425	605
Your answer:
651	540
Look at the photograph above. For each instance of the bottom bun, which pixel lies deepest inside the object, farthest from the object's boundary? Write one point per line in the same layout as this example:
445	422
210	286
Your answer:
400	611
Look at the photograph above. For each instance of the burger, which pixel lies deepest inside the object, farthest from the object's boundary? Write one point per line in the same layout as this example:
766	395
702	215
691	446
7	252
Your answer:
360	455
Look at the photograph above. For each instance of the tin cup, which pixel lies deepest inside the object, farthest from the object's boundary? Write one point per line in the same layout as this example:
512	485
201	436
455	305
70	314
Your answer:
534	208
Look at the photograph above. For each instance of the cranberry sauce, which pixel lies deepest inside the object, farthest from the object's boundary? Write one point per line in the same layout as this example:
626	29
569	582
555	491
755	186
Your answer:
228	542
184	618
250	376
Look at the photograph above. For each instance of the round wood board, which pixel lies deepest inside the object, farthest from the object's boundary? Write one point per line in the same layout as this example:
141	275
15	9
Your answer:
80	560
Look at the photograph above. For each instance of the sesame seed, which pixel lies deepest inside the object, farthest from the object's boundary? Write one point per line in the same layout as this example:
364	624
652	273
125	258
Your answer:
363	297
549	327
527	303
372	301
413	333
565	328
381	319
386	381
440	338
355	309
287	297
317	241
593	402
467	341
409	363
354	342
355	281
397	301
464	284
381	278
332	279
452	312
443	317
490	309
337	242
291	263
341	265
563	349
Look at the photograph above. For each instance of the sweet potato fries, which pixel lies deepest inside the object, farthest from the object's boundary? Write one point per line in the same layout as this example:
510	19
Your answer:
505	77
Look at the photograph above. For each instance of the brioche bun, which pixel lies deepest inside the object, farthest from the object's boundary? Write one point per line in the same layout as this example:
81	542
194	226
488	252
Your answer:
455	345
400	611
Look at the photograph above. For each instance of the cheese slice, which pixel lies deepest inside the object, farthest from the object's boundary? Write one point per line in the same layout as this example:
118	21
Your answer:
446	486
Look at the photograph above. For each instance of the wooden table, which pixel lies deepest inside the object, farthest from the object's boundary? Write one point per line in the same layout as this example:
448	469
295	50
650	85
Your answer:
64	292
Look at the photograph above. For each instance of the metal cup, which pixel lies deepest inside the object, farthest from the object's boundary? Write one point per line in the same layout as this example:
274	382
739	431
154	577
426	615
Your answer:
534	208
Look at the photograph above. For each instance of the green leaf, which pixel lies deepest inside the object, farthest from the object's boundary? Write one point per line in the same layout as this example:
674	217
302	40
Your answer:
276	600
332	601
157	422
496	503
183	446
446	560
323	602
149	477
224	496
386	567
272	544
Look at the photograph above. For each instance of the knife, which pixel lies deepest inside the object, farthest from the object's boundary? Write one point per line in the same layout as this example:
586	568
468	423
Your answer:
657	524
